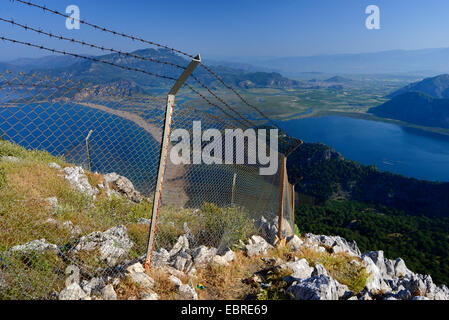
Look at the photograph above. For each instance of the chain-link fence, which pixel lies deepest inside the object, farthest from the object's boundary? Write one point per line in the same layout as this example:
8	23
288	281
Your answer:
78	172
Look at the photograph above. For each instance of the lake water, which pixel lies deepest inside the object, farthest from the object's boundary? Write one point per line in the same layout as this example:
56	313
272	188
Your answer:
389	147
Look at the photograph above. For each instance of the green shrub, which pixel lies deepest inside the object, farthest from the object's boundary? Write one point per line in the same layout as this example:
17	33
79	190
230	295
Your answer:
226	226
2	177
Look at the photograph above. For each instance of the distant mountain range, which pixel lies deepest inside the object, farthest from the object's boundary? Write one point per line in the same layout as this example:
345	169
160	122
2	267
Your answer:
424	103
99	73
425	61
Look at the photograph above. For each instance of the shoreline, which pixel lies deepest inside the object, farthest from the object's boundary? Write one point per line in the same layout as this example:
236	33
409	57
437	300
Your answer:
369	117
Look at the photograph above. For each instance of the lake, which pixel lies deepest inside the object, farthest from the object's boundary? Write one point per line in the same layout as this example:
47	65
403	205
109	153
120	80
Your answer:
410	152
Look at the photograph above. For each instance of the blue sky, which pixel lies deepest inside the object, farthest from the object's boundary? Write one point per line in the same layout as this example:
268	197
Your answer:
239	28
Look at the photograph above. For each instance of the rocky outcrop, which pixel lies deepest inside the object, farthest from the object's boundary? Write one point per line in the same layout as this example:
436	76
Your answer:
121	186
39	246
319	287
137	274
335	243
113	245
79	181
256	246
73	292
300	268
388	279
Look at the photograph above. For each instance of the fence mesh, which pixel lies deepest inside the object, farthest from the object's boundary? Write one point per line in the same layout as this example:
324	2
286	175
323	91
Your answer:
86	202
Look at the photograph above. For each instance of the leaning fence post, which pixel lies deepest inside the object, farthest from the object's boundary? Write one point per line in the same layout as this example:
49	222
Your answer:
89	157
233	190
281	195
163	155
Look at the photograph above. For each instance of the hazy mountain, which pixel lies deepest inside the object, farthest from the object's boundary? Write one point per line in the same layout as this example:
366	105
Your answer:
238	65
49	62
338	79
395	61
100	73
416	107
436	87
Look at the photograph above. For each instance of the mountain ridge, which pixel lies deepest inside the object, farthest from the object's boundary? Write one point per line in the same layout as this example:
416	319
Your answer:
425	102
99	73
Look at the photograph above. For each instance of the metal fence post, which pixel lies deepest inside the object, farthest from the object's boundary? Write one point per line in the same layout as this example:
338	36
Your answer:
89	157
281	194
163	155
233	190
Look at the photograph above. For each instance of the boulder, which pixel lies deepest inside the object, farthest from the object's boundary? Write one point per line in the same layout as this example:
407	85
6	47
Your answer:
160	258
142	280
54	165
93	286
229	256
203	255
422	285
183	262
256	246
375	283
74	230
35	246
336	243
300	268
136	272
320	287
294	242
187	292
174	272
181	245
113	244
73	292
73	273
78	180
400	269
135	268
108	293
121	185
268	230
225	259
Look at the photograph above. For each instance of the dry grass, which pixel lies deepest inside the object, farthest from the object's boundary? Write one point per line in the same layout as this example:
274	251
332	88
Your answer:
226	282
127	289
25	184
164	287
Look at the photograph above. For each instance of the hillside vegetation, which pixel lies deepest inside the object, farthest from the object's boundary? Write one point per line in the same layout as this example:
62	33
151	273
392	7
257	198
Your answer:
323	174
417	108
422	242
424	103
403	216
436	87
44	219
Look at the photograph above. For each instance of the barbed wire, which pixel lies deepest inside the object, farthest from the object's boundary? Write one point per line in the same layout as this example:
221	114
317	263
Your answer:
97	27
124	68
87	44
221	109
59	37
239	95
29	44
